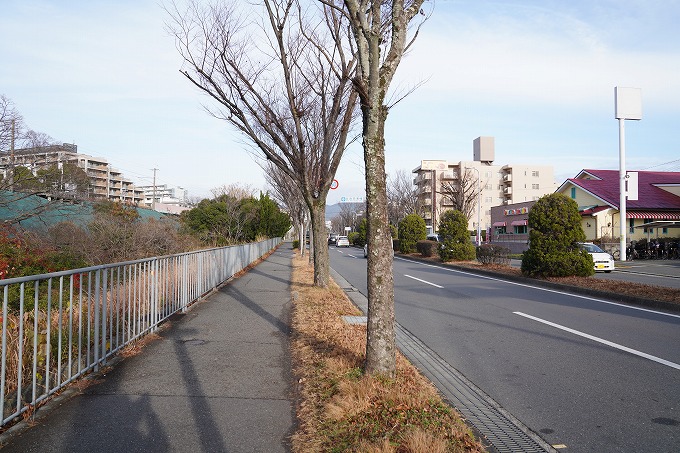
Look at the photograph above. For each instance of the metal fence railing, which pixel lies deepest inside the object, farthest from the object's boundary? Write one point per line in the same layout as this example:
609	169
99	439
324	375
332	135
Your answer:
57	327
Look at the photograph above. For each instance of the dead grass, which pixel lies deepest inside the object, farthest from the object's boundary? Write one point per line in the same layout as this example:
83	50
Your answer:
340	408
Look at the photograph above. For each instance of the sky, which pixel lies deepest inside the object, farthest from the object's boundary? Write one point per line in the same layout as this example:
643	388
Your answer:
538	76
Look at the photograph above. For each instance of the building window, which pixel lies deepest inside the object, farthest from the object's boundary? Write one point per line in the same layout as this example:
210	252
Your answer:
534	173
488	199
631	224
647	230
573	192
488	187
488	174
534	186
520	229
664	230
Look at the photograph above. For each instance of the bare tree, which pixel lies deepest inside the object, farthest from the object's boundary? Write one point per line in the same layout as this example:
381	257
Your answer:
402	197
287	193
349	214
282	77
237	191
381	37
11	123
462	192
20	183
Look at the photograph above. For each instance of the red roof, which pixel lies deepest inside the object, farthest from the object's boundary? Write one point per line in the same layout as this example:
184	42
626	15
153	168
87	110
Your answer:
604	184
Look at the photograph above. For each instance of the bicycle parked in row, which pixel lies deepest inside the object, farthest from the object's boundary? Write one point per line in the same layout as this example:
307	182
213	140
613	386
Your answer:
655	249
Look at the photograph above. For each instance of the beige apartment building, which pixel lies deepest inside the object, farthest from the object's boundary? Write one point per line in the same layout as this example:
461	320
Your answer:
106	183
498	184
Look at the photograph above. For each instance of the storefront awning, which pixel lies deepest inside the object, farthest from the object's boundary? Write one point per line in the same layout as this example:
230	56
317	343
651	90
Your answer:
660	224
653	215
499	224
518	222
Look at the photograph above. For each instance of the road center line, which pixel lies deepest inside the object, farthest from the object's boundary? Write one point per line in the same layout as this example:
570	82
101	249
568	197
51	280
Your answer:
423	281
603	341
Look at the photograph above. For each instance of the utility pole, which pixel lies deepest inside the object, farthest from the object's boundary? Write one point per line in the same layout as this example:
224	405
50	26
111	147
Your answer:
11	157
153	200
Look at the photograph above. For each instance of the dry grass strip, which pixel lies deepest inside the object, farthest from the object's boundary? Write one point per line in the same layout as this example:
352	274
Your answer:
340	408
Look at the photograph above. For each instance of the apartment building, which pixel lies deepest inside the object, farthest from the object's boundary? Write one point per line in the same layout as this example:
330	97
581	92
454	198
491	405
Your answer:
164	194
439	183
106	182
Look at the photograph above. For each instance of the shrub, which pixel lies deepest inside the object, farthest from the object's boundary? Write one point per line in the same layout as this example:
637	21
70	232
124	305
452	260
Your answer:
454	238
427	248
296	244
353	237
555	229
411	230
488	254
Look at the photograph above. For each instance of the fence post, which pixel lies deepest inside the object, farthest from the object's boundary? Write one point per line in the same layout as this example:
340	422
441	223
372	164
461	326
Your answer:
96	319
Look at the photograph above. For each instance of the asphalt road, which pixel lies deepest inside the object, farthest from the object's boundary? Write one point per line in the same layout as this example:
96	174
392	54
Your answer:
580	372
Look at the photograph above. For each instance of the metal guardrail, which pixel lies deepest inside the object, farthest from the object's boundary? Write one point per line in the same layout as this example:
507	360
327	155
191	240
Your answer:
57	327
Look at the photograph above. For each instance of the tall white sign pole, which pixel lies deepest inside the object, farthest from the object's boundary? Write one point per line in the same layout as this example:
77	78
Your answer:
622	189
627	106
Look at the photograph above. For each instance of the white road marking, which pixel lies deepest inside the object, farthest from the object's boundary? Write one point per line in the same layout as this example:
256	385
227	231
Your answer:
423	281
603	341
631	307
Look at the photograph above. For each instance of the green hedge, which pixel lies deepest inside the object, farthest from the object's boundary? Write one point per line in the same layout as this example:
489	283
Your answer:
427	248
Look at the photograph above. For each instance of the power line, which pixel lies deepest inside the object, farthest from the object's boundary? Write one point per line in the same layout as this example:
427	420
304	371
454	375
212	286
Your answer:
673	165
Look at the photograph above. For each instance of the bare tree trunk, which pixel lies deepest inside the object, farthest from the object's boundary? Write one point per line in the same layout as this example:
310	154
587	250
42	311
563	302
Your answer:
301	237
320	244
379	29
381	342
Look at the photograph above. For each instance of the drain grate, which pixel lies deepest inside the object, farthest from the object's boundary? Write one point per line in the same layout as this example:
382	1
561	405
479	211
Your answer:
503	432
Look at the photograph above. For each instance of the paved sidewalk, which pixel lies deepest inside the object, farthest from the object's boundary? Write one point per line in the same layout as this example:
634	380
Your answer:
217	380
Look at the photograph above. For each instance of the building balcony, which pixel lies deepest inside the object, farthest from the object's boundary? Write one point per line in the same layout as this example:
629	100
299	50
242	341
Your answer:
448	175
507	191
507	178
421	178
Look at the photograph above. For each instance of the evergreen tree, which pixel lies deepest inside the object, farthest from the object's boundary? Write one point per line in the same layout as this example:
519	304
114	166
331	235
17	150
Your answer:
412	229
555	231
454	237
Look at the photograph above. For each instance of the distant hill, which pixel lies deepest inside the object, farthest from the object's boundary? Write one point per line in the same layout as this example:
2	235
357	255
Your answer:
332	210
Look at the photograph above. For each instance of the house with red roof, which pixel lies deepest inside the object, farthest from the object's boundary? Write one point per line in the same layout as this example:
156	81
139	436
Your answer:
597	195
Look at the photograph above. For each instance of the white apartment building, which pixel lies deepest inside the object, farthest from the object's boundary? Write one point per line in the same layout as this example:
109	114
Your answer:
498	184
167	195
106	183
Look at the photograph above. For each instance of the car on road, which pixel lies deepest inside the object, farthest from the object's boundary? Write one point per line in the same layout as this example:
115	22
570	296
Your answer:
342	241
602	260
332	238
